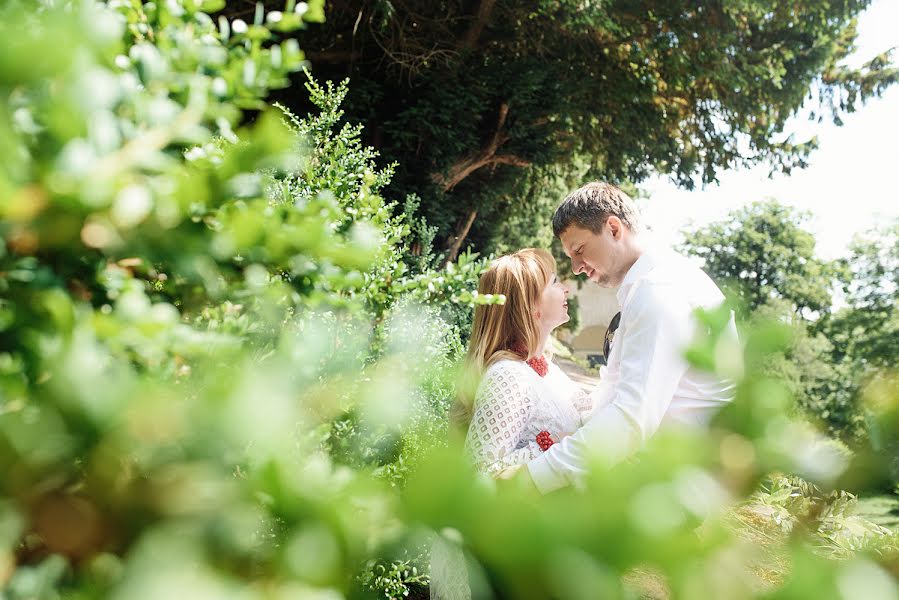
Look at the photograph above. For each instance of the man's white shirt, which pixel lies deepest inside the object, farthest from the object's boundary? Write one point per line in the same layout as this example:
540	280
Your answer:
647	382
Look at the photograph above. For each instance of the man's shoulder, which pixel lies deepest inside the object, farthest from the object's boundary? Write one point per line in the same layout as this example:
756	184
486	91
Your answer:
666	274
674	286
668	264
654	294
676	278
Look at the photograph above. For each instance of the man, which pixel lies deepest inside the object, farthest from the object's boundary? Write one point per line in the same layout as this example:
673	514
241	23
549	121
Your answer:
647	382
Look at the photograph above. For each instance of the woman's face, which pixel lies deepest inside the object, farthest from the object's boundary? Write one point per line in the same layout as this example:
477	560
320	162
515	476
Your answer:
552	307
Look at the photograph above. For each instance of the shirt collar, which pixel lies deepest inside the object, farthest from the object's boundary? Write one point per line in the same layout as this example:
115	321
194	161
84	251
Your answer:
643	265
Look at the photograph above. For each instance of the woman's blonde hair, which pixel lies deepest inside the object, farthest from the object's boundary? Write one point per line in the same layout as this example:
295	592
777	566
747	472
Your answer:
508	330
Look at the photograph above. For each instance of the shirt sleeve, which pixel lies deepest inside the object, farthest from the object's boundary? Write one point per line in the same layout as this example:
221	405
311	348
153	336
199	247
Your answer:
502	408
655	330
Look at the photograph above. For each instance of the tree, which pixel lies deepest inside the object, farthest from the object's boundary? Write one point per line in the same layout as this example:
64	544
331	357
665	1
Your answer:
468	96
765	259
761	252
866	331
825	390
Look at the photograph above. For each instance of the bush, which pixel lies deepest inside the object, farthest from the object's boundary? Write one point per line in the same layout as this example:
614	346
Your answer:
188	311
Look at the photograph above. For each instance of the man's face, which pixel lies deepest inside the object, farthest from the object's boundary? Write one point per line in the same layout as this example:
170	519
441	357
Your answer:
599	255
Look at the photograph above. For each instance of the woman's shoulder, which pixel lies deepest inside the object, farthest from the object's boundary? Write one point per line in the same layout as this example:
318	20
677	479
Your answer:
505	372
505	366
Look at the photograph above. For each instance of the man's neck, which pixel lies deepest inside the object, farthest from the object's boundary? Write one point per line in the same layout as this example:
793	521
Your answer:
635	248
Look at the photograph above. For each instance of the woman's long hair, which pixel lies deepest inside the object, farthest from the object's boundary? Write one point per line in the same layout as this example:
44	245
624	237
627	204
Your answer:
507	330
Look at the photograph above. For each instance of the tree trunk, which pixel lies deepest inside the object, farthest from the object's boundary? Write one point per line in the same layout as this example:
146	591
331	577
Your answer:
461	233
474	32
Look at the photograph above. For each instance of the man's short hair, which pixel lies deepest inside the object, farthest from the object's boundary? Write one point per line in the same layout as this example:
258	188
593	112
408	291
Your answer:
590	206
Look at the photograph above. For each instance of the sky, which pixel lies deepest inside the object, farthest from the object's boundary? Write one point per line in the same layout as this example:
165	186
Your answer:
851	182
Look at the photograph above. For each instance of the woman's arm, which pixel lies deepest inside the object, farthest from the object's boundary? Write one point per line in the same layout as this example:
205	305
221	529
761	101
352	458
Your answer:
581	399
583	403
502	409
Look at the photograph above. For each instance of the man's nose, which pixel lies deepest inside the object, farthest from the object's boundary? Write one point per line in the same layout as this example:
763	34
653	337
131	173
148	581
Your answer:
577	266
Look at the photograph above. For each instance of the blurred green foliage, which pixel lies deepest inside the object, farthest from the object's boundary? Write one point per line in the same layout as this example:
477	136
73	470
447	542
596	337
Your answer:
192	309
226	360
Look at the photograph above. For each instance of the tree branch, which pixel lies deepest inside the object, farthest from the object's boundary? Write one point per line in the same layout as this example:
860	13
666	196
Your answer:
464	168
509	159
486	156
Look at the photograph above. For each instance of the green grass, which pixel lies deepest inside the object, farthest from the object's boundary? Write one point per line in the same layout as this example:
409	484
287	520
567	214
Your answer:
883	510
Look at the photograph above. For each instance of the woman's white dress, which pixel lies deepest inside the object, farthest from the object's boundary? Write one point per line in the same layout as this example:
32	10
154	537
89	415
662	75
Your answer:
513	405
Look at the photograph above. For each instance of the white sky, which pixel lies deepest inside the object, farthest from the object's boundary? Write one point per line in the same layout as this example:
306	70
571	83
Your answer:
851	182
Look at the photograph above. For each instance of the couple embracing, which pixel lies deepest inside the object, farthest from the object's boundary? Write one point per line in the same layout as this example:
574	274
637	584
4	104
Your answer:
528	420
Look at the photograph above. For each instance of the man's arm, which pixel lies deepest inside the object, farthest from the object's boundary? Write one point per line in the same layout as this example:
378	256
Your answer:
656	328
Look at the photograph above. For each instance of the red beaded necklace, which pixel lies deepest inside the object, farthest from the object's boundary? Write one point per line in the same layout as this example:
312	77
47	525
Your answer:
538	363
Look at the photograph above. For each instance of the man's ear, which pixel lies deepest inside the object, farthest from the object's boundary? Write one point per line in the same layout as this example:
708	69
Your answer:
616	227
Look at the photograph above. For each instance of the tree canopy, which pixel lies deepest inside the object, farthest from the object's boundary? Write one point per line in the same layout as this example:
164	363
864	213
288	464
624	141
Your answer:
765	258
867	329
762	251
467	97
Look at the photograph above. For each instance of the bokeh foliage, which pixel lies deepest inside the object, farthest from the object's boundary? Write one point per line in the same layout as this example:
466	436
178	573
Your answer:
192	306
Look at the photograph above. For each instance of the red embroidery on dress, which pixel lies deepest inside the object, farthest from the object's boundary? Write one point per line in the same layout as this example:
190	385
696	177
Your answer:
544	440
538	363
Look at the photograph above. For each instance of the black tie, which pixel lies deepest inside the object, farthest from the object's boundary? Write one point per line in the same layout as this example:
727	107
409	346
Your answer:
610	335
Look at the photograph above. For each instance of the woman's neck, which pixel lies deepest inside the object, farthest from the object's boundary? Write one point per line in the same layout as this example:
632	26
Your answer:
542	343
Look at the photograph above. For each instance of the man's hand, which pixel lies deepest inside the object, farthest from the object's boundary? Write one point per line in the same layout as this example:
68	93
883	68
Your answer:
508	472
517	478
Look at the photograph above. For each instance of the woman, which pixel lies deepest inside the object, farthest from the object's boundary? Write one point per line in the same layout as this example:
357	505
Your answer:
524	403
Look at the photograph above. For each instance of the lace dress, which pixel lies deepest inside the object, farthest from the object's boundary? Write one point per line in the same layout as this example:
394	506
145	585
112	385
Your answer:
512	406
